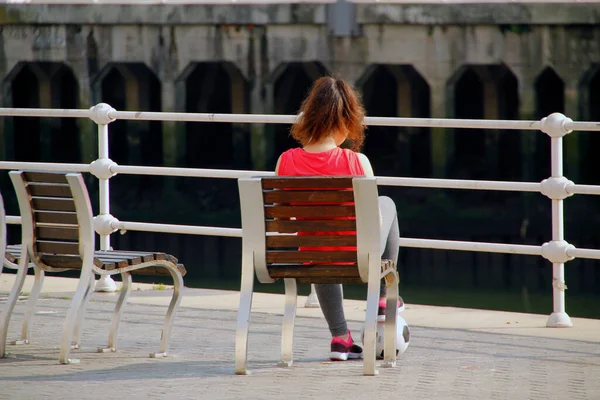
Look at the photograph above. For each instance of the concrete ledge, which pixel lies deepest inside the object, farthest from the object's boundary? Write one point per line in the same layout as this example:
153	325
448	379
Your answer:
164	14
417	315
423	14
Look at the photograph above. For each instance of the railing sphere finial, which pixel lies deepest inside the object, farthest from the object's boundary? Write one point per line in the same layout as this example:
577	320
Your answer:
100	114
554	125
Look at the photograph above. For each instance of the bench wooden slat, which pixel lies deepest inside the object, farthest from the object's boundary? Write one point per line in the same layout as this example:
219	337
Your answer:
306	182
311	226
45	177
13	252
310	256
53	217
53	204
159	271
113	263
131	260
313	240
329	280
309	271
319	212
10	257
63	261
324	196
157	256
56	247
59	232
49	190
144	256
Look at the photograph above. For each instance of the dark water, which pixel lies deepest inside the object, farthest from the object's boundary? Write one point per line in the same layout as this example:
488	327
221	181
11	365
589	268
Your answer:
583	306
435	277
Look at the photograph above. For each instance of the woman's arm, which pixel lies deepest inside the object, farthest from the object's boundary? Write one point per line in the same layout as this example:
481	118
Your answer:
366	164
368	169
277	166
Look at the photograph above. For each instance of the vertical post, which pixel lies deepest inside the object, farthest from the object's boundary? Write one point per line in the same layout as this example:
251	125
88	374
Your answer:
104	183
554	126
558	269
105	283
312	301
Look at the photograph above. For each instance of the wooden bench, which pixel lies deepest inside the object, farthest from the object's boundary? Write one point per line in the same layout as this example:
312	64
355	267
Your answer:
274	209
58	233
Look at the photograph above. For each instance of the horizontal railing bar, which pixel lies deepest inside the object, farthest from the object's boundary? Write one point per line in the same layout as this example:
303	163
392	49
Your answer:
583	126
182	229
188	172
460	184
62	167
170	2
15	220
583	189
289	119
446	2
584	253
382	180
45	112
472	246
203	117
404	242
236	174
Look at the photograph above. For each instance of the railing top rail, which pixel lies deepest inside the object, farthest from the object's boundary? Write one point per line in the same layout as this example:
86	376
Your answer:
111	114
226	2
167	2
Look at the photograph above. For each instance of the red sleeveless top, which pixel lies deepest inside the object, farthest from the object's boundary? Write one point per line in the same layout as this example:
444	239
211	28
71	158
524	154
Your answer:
337	161
334	162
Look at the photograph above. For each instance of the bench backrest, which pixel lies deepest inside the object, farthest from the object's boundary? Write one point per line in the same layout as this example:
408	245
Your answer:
274	209
55	212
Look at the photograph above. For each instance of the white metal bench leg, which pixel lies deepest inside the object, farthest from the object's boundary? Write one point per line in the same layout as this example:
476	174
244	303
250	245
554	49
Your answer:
289	314
168	324
243	319
68	328
81	314
12	300
390	325
371	326
118	312
30	308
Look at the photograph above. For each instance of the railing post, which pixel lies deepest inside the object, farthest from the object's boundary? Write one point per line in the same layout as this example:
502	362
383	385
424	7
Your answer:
555	188
101	169
312	300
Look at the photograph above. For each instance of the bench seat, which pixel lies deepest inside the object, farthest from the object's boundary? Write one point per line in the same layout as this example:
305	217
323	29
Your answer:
107	260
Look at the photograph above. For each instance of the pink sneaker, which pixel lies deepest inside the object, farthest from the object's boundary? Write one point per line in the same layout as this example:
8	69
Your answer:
342	350
383	306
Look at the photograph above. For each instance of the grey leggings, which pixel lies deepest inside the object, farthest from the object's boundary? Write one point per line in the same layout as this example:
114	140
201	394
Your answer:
330	295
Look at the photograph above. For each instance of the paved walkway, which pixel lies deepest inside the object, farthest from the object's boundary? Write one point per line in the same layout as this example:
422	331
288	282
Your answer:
484	355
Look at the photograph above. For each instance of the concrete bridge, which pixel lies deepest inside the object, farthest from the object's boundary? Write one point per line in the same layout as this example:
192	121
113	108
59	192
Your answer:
473	61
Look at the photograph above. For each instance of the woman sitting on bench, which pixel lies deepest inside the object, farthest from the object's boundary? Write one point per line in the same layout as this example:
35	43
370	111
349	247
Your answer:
331	114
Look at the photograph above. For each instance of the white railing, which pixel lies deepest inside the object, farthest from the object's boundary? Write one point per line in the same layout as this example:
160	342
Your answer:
557	187
230	2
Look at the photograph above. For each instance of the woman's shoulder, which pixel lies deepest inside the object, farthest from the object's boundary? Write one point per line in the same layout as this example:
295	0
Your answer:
354	155
360	159
290	152
282	161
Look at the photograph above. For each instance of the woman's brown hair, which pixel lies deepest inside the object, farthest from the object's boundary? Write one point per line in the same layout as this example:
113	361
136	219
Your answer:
332	105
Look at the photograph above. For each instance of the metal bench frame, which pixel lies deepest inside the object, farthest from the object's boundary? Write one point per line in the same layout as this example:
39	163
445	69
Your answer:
371	270
86	239
8	263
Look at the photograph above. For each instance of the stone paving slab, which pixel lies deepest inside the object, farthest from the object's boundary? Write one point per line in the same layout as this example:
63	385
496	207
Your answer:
439	364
